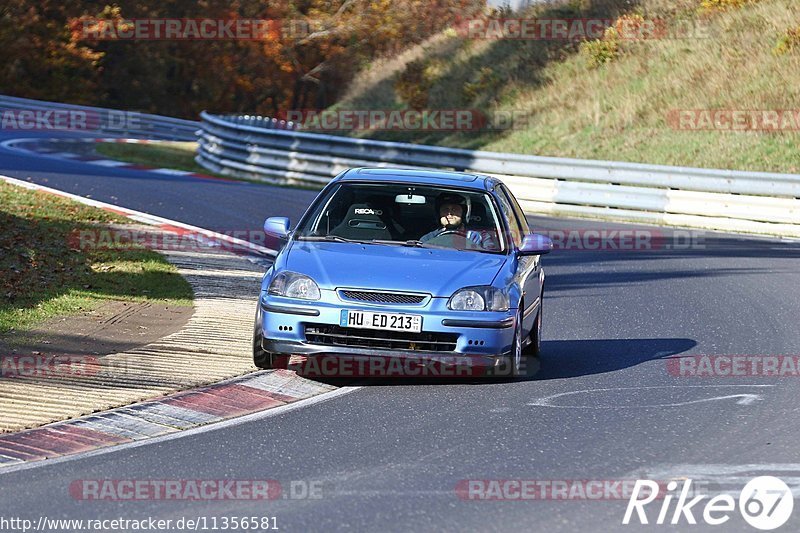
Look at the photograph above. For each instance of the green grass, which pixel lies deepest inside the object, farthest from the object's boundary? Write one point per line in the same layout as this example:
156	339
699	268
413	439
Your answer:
176	155
44	275
617	111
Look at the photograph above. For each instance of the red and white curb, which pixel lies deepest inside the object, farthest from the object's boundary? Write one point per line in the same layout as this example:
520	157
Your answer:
40	147
211	407
170	415
239	246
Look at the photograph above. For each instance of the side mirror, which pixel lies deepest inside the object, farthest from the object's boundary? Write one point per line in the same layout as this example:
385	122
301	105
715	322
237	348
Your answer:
535	244
277	226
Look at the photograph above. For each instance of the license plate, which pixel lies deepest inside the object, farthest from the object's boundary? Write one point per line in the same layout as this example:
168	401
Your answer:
389	321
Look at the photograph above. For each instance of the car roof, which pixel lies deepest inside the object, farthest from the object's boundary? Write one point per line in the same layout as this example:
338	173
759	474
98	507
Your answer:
420	177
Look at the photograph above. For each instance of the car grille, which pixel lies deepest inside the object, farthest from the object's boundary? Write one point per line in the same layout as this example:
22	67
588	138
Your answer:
383	297
330	335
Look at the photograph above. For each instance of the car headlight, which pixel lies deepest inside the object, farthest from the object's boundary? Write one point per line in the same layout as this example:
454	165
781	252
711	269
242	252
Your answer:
479	299
294	285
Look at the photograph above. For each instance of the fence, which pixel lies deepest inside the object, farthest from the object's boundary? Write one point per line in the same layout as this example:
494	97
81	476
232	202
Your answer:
750	202
96	120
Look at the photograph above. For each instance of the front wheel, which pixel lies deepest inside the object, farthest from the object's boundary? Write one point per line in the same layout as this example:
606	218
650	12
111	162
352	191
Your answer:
261	358
534	349
517	363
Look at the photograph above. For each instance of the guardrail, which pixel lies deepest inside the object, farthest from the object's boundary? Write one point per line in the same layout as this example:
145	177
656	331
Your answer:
95	120
750	202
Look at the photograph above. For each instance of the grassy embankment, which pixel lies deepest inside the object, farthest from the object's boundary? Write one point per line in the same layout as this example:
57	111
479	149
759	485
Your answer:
612	100
46	274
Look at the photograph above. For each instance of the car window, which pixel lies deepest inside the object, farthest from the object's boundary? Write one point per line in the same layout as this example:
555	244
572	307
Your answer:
511	218
523	222
405	214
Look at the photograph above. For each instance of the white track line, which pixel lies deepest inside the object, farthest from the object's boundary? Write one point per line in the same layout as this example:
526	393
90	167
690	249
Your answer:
145	218
171	171
108	163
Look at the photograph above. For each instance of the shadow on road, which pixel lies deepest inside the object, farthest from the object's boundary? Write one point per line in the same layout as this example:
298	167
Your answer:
573	358
559	360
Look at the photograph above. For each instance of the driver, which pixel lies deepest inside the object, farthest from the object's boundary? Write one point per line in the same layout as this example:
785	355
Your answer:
451	209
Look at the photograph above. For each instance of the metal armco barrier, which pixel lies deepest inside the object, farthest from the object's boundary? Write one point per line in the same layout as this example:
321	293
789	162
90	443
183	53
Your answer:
749	202
93	120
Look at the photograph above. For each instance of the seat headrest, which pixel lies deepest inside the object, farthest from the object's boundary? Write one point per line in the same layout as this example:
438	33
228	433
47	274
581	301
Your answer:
478	213
367	216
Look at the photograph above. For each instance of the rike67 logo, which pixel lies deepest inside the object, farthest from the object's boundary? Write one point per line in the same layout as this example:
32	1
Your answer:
765	503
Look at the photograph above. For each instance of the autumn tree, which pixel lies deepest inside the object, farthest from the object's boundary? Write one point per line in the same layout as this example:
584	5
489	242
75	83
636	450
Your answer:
39	57
319	47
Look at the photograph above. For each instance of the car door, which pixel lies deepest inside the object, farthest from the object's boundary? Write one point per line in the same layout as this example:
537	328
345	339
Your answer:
528	267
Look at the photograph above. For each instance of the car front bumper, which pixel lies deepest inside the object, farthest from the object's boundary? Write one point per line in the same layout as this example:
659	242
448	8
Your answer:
482	336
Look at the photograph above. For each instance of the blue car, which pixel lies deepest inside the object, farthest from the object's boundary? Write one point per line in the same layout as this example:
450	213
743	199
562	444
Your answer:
395	263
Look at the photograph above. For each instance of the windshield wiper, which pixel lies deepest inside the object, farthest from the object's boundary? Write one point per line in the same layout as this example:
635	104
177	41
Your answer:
401	243
419	244
336	238
428	244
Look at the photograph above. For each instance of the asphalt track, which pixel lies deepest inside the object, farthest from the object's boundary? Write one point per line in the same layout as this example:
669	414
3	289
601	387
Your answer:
389	456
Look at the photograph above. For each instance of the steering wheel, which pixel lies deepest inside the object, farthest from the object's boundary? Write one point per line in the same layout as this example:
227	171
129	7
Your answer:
452	238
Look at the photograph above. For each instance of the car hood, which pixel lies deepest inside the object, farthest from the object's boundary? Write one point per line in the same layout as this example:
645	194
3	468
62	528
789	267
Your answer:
439	272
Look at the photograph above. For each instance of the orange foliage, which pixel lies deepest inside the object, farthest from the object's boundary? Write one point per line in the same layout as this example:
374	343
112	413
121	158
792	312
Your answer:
322	44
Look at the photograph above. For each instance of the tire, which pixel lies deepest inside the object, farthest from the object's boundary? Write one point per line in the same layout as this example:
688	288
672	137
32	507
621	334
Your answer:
261	358
517	356
534	349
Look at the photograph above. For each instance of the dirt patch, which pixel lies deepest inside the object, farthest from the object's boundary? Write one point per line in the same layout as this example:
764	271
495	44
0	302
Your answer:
113	327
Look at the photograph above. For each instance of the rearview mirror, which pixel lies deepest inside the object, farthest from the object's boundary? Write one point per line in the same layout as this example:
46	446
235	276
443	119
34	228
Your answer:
409	199
277	226
535	244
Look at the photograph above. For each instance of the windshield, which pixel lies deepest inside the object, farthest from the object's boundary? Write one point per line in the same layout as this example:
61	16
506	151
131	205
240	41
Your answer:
405	214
